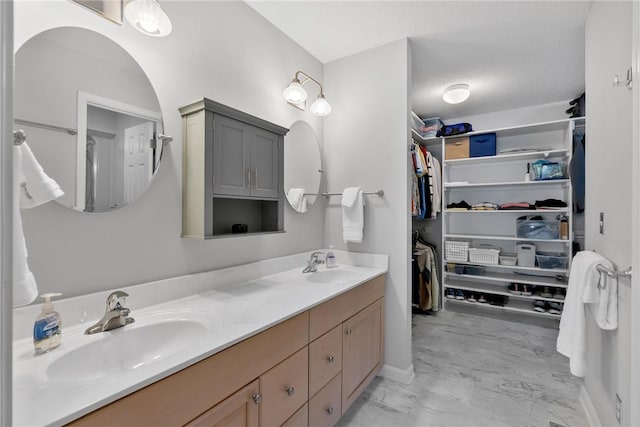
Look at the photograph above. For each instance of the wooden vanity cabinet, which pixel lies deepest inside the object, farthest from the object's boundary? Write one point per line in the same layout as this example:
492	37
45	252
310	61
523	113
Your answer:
305	371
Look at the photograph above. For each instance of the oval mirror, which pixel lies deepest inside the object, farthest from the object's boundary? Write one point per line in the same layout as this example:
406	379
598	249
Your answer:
302	166
91	116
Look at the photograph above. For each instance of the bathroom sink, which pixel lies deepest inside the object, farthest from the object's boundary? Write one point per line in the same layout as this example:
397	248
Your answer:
337	276
125	349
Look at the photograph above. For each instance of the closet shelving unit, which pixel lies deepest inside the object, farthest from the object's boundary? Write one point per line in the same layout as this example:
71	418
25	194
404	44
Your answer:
500	179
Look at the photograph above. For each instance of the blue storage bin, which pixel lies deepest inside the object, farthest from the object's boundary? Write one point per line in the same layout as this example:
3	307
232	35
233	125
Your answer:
482	145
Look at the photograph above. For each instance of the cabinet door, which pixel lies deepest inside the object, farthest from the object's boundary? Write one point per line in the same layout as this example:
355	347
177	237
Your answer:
265	161
361	351
231	169
238	410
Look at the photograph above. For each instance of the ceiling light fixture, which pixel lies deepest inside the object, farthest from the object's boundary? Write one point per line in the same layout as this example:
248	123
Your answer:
455	94
296	96
148	17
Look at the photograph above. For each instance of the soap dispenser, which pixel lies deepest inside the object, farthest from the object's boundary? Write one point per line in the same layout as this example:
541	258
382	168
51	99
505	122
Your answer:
47	329
331	258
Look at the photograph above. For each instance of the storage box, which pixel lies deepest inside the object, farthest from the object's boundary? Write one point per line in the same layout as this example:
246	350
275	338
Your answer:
530	228
546	170
508	259
482	145
432	126
552	260
484	254
457	148
526	254
475	270
456	251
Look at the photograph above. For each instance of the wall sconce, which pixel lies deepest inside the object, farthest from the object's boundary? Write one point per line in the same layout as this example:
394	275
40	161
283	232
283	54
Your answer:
297	96
455	94
148	17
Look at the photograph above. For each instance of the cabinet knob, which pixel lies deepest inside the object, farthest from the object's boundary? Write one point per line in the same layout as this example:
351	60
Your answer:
348	331
330	359
257	398
330	410
290	391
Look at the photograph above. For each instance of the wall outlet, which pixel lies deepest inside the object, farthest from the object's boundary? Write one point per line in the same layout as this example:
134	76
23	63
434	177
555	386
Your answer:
618	408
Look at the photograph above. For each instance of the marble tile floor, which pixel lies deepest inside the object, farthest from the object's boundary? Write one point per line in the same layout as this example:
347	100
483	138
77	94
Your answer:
475	371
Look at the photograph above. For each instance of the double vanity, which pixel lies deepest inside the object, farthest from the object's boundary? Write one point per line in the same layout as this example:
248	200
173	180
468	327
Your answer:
259	344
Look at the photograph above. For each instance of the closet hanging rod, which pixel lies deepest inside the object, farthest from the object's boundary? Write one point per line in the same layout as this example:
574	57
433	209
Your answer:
45	126
19	136
614	273
367	193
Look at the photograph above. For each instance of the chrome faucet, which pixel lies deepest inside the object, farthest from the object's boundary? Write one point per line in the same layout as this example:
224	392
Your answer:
314	261
116	315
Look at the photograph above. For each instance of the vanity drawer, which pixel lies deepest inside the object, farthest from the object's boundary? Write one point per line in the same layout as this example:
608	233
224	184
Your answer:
325	359
330	314
325	408
284	389
299	419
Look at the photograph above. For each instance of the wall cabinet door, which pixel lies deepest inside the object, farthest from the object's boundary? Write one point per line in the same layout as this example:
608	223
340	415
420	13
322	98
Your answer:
264	162
241	409
362	351
231	168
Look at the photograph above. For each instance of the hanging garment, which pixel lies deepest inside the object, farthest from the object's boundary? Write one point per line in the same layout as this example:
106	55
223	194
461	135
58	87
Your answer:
437	181
577	171
429	285
415	195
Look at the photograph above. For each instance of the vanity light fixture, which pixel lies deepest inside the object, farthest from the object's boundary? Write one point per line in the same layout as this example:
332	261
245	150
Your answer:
455	94
297	96
148	17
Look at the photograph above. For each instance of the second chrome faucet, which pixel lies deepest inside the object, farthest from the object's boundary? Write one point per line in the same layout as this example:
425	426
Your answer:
115	316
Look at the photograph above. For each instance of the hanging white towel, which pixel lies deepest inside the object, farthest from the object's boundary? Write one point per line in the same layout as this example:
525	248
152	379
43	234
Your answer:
31	187
352	214
297	200
603	299
572	335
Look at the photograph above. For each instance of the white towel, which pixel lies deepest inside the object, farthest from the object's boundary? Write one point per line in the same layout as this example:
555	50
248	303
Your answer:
296	199
603	300
352	214
572	335
31	187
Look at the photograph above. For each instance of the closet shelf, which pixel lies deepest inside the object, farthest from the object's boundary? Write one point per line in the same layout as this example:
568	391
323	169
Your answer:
514	267
434	140
519	211
504	238
508	307
496	290
550	126
552	182
499	158
491	276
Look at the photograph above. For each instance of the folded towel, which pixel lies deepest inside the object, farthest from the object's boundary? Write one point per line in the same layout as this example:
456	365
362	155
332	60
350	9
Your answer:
31	187
603	299
572	335
352	214
296	199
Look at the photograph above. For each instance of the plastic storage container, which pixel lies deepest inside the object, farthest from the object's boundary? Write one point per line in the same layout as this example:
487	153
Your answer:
526	254
484	254
456	251
552	260
482	145
431	126
476	270
457	148
508	259
546	170
534	227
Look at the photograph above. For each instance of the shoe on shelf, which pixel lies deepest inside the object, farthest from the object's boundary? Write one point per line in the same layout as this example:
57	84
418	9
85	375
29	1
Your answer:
554	307
527	290
459	295
450	293
546	293
515	289
539	306
559	293
472	298
482	299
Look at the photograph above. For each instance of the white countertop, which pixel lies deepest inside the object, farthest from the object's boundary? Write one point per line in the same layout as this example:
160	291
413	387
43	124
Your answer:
227	311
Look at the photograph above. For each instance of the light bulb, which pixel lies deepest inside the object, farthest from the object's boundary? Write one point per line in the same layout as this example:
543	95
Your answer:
321	106
295	93
148	17
455	94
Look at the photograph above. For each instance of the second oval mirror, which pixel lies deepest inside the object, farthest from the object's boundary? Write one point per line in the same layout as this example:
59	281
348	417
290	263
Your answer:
91	117
302	166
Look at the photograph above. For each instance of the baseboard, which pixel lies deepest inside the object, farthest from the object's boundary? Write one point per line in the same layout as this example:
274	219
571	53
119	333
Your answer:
589	409
404	376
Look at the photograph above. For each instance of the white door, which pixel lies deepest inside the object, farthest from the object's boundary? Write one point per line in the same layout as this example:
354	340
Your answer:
137	152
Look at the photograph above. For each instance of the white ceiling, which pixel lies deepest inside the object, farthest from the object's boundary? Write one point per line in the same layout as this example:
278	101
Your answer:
511	53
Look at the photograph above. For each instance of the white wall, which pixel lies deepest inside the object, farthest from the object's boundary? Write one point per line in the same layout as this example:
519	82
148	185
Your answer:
221	50
608	183
366	141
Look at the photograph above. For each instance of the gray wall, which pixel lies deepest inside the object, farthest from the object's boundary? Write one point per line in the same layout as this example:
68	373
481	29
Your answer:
608	173
221	50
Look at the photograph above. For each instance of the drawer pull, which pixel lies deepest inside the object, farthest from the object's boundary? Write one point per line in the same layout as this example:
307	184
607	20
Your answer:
290	391
330	359
348	331
330	410
257	398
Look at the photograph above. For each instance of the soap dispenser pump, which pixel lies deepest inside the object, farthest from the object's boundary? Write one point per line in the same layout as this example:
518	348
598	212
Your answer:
47	329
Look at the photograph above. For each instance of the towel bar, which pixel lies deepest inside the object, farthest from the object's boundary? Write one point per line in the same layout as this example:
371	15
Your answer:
614	273
379	193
